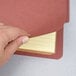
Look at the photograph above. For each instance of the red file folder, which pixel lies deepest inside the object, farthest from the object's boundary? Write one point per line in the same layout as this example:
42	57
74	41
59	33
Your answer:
37	17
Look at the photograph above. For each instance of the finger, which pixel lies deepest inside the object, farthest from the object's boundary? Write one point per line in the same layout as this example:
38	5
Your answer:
10	34
14	32
5	27
13	46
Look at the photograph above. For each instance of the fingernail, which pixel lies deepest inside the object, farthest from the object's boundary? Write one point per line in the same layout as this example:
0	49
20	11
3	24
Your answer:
24	39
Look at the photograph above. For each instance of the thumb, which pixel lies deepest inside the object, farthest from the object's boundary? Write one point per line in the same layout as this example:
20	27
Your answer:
13	46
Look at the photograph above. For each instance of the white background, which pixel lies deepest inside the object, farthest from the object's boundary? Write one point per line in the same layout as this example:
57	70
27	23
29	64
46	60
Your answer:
32	66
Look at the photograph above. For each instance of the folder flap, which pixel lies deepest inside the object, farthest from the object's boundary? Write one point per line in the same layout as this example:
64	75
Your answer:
35	16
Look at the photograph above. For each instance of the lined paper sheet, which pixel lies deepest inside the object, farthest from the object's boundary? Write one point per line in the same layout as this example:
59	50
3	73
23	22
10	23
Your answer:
43	43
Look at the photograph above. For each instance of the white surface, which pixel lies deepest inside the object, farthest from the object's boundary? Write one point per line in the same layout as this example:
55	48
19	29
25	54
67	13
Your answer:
31	66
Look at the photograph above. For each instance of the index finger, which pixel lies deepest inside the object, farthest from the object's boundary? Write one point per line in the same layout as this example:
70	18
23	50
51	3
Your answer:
9	34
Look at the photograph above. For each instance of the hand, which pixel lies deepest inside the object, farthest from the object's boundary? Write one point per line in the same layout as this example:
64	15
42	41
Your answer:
10	39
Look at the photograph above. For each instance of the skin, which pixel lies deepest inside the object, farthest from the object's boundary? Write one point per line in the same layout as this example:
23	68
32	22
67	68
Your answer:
10	39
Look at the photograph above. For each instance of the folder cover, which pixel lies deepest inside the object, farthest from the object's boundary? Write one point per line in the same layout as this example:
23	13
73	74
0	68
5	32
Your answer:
43	19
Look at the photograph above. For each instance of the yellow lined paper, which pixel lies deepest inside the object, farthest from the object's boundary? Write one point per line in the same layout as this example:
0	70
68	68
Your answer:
42	43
